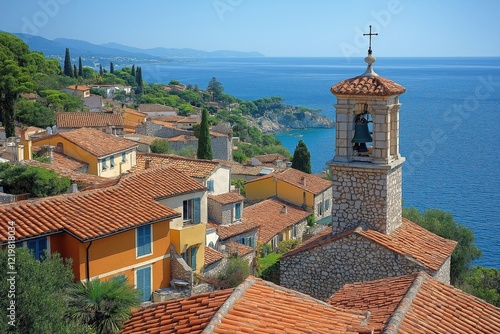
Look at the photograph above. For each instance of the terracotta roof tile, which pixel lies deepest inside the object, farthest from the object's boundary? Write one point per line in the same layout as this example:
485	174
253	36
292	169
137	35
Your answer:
87	119
240	249
270	158
143	139
85	215
409	239
62	160
212	256
95	141
255	306
121	204
423	305
152	107
227	198
308	182
133	112
193	167
239	169
80	178
227	231
272	217
187	315
367	85
78	87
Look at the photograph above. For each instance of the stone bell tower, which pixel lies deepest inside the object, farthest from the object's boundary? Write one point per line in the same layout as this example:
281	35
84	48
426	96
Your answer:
367	167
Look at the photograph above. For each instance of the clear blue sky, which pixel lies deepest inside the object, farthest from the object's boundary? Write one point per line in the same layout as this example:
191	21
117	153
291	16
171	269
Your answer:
324	28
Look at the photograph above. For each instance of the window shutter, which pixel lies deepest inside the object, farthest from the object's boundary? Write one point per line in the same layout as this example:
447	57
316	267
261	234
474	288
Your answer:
143	240
237	209
194	250
197	212
252	241
210	185
144	283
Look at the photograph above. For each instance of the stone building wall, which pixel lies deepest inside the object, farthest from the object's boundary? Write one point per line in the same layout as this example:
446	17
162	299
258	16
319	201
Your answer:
443	273
222	214
222	148
366	196
321	198
219	267
323	270
238	237
179	268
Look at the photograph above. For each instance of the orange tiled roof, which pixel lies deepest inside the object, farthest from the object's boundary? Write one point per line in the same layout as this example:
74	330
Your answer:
367	85
79	119
227	198
272	218
270	158
152	107
308	182
80	88
255	306
227	231
160	183
186	315
193	167
239	169
409	239
168	119
85	215
96	142
143	139
133	112
79	178
212	256
240	249
62	160
182	138
418	303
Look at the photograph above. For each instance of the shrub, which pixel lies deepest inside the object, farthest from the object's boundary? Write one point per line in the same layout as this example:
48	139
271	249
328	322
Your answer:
160	146
286	245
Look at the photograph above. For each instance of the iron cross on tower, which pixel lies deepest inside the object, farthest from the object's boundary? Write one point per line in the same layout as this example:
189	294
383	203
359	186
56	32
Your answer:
370	34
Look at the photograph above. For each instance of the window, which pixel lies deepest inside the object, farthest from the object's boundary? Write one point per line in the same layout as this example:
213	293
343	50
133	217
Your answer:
120	277
237	211
248	241
190	256
143	283
104	165
210	185
327	204
144	239
191	210
124	157
38	247
320	208
112	161
294	231
274	242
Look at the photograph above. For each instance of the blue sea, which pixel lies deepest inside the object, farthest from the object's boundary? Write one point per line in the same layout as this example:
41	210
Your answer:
448	127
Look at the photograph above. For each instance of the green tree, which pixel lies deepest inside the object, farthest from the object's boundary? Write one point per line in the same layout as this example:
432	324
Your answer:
215	89
111	67
15	77
483	283
442	223
39	293
75	72
68	68
240	185
37	181
159	146
302	158
204	146
62	101
33	113
237	271
132	72
80	67
101	72
138	79
102	305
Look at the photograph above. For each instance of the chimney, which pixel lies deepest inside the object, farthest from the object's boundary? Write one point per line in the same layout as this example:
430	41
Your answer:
303	181
284	209
73	188
49	149
147	164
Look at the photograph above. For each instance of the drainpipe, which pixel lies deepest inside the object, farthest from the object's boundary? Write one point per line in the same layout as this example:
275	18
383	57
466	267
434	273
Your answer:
87	264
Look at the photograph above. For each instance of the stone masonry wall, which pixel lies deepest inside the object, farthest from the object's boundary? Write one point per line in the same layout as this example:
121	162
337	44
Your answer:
222	214
321	198
366	196
180	270
323	270
443	273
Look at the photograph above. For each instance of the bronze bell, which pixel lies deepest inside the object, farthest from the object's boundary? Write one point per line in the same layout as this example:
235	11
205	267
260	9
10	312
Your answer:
361	133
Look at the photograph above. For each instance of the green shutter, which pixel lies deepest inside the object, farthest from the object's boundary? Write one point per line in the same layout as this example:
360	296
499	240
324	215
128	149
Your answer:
197	211
194	250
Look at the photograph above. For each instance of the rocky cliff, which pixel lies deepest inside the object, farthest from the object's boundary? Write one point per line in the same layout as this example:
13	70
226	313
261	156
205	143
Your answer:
272	122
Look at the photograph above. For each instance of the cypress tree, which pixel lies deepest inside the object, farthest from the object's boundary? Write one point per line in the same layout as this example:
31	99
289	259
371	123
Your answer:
138	78
100	70
75	72
68	69
204	146
302	158
132	72
111	67
80	67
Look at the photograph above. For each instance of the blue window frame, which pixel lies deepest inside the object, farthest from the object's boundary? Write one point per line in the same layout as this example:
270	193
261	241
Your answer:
144	240
210	185
197	210
104	165
124	157
112	161
237	211
143	283
190	256
248	241
38	247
